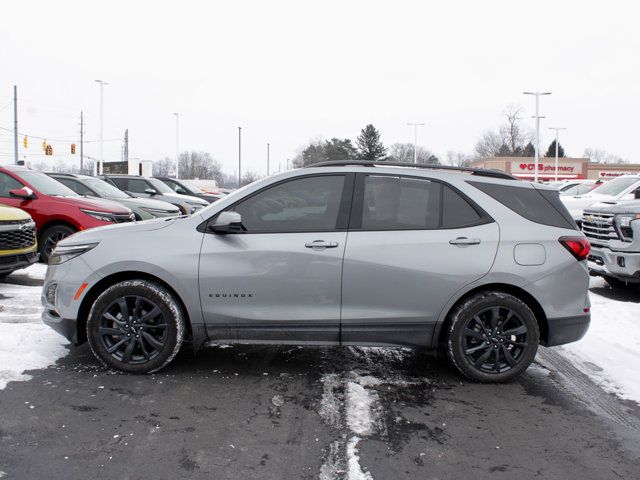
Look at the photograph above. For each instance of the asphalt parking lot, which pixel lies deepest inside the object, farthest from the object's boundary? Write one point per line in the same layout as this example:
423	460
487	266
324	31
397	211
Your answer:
331	413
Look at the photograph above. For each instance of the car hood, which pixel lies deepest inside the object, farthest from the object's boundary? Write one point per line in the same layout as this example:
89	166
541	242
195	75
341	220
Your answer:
616	207
185	198
148	203
12	214
99	233
97	204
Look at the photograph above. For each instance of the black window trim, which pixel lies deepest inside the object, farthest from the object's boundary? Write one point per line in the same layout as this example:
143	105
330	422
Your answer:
355	224
344	210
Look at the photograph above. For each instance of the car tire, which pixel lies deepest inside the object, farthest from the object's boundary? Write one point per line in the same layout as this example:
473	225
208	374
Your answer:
135	326
477	340
50	237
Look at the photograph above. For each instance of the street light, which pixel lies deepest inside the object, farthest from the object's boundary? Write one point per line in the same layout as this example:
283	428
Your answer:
102	84
239	155
177	144
537	95
557	129
415	140
268	146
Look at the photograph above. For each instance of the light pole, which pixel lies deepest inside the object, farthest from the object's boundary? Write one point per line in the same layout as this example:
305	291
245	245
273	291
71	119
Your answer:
268	158
557	129
102	84
177	144
537	116
239	155
415	140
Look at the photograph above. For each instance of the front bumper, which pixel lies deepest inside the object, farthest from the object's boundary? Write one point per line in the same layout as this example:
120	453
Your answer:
622	265
567	329
64	326
9	263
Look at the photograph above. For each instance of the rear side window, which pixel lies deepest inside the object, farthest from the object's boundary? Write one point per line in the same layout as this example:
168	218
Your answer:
456	211
539	206
394	203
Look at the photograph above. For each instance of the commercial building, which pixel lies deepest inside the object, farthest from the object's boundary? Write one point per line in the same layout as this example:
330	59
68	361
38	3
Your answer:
568	168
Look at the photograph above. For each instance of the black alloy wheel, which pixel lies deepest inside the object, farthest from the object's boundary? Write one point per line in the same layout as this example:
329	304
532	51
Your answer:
50	239
492	337
136	326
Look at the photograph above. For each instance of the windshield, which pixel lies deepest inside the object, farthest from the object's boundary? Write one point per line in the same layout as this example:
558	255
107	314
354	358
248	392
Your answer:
616	186
103	188
160	186
43	183
191	187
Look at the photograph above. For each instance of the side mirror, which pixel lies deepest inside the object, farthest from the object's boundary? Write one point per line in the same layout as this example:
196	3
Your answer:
150	191
181	191
25	193
226	222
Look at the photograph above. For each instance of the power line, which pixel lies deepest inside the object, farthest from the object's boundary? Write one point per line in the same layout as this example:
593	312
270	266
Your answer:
62	140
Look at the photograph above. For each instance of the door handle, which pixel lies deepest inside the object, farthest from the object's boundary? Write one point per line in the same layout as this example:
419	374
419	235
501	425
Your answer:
321	244
464	241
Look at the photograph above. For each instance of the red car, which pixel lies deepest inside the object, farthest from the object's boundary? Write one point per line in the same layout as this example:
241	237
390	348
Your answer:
57	210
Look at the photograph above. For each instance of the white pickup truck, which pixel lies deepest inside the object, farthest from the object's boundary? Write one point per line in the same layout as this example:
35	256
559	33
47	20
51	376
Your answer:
623	188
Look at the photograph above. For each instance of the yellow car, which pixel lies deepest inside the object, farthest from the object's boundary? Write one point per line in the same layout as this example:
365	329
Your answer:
18	247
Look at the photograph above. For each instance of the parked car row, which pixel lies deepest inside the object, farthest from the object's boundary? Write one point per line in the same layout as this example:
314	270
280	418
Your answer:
62	204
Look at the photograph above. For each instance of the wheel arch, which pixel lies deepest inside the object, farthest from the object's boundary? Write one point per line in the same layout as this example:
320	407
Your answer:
198	336
55	222
521	294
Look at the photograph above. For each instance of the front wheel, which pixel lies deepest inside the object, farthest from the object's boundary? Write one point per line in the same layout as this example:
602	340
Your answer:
135	326
493	337
50	238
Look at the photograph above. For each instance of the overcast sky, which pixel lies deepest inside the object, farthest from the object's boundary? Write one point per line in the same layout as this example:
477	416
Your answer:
288	72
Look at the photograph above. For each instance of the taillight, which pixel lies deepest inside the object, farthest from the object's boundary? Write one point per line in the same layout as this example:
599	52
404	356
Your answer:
579	247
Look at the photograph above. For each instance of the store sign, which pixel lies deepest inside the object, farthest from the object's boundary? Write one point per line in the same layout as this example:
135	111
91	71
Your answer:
614	173
545	167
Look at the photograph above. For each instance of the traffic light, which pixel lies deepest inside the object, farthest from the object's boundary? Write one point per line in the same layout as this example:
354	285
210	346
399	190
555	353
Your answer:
48	150
44	145
24	141
73	149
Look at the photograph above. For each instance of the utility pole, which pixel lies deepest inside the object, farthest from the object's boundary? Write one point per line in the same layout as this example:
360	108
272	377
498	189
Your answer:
15	124
557	129
126	147
102	84
537	117
415	140
177	144
81	142
267	159
239	155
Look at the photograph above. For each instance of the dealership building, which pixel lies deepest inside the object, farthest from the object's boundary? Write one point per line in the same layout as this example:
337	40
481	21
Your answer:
568	168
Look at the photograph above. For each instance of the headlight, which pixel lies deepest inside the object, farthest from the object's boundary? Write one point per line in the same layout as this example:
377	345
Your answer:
64	253
622	224
102	216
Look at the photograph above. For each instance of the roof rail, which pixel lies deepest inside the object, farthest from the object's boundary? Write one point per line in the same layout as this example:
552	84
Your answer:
481	172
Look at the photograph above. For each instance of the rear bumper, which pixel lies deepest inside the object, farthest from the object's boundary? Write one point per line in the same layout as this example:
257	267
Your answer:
567	329
9	263
64	326
622	265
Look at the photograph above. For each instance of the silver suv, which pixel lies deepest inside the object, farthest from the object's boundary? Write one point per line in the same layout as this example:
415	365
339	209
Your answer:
474	263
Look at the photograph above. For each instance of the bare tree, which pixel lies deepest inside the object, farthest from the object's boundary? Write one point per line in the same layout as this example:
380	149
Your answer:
249	177
162	168
458	159
198	165
509	140
403	152
597	155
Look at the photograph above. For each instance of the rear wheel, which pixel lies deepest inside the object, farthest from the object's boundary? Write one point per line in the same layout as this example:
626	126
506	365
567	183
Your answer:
50	237
135	326
493	337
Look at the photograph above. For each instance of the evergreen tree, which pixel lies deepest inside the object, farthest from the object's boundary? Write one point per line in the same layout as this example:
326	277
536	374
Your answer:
551	151
529	150
369	145
339	149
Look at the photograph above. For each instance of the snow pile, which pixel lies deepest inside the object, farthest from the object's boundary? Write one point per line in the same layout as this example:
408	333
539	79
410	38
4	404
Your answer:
25	342
610	351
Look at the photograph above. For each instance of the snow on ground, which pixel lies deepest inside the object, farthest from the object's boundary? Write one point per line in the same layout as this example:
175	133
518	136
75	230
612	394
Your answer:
610	351
25	342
